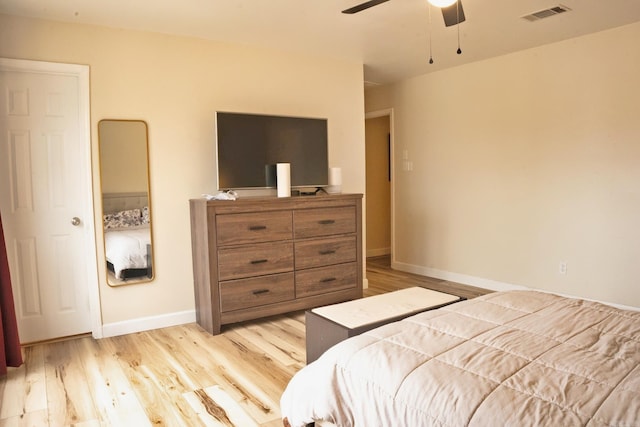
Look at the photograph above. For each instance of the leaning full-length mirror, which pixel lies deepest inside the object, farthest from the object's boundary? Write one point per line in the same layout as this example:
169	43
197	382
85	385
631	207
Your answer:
126	202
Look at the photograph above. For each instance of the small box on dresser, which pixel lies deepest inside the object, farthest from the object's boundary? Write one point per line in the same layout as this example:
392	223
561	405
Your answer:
260	256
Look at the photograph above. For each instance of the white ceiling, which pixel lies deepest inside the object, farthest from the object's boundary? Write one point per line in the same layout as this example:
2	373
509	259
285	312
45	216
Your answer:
391	39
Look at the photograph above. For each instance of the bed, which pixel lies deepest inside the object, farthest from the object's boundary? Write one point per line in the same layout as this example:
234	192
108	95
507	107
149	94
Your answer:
514	358
127	235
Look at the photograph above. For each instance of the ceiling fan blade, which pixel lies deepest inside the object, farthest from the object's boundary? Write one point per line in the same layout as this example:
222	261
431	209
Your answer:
451	14
363	6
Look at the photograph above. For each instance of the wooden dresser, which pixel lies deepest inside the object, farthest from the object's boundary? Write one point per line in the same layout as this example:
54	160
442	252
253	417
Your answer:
259	256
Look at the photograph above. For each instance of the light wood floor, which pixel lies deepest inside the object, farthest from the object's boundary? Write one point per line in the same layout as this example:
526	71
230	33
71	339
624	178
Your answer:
177	376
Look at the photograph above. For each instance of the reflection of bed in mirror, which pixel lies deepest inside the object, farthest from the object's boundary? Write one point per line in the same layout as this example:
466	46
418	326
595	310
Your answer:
127	236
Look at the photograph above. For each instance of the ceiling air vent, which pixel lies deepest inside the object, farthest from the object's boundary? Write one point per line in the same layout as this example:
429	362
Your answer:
546	13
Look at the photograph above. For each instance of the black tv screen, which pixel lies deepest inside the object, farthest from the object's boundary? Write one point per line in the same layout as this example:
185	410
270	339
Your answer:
250	145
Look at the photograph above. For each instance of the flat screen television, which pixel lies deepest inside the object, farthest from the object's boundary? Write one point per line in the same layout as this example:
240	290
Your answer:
250	145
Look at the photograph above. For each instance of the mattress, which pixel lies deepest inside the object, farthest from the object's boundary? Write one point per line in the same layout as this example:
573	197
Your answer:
507	358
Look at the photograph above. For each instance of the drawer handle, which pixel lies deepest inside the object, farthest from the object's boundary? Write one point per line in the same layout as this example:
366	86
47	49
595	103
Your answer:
259	261
328	279
260	291
327	221
327	252
257	227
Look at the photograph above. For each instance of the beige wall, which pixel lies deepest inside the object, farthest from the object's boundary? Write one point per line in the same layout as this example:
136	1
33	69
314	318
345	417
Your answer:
176	84
523	162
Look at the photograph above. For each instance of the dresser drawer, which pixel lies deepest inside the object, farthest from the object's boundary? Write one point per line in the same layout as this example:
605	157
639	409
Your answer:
318	253
255	260
247	293
236	229
324	222
321	280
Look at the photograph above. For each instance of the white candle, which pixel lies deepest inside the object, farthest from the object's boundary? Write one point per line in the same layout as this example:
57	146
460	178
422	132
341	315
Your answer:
335	180
283	179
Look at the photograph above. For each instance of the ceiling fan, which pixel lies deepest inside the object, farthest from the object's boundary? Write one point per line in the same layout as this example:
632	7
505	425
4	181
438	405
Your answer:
452	11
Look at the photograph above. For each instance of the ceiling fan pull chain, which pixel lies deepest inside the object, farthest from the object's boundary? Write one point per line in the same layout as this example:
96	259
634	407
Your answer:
459	51
430	36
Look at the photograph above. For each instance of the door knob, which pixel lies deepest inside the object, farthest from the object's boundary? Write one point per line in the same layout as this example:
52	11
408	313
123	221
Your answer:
75	221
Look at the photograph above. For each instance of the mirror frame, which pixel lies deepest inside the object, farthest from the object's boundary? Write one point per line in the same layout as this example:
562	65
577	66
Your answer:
150	254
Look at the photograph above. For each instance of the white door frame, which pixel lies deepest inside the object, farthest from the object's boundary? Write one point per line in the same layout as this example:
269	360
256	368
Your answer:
84	112
389	113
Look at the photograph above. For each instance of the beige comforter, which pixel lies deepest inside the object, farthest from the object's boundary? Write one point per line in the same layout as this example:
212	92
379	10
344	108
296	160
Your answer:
505	359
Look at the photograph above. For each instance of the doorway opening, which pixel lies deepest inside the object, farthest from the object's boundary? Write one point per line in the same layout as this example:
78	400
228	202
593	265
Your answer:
379	184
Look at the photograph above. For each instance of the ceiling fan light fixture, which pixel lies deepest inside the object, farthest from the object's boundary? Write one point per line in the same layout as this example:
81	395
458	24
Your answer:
442	3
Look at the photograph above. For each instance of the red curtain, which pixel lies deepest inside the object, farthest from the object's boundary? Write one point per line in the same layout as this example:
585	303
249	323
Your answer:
10	354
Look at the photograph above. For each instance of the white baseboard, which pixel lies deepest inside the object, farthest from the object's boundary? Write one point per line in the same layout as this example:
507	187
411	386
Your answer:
378	252
455	277
486	283
148	323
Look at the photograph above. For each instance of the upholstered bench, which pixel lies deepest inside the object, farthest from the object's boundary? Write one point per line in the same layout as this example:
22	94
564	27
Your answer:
328	325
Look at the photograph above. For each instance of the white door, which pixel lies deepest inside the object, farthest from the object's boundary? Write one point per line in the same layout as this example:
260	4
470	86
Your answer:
45	184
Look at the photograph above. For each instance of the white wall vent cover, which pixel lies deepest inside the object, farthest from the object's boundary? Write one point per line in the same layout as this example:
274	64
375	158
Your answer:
546	13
